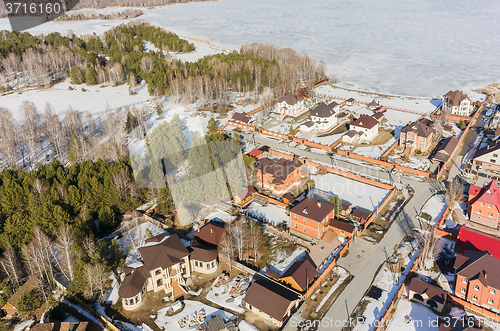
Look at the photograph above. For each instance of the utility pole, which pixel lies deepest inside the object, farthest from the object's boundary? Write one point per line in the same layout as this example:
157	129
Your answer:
390	265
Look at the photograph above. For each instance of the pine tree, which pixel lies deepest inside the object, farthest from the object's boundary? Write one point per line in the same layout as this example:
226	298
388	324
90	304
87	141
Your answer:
91	75
26	303
337	203
212	125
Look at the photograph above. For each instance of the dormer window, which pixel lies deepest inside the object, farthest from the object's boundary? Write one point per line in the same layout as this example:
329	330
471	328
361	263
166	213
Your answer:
157	272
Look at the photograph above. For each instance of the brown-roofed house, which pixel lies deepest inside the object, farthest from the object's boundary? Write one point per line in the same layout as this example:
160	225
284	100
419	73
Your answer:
211	234
342	228
216	323
373	105
290	105
478	279
245	196
300	274
446	149
366	124
9	307
361	215
271	301
350	102
278	175
203	258
311	217
457	103
417	135
165	265
241	118
427	294
487	157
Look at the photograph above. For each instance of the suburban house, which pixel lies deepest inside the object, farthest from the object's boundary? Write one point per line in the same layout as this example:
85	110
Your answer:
367	125
278	175
487	157
342	228
165	265
446	149
271	301
322	118
9	308
311	217
211	234
242	118
469	239
417	135
484	204
290	105
217	323
427	294
346	208
373	105
245	196
361	215
350	102
457	103
298	276
478	279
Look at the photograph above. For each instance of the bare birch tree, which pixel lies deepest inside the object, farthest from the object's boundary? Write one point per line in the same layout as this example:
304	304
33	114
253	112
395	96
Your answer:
11	267
238	232
226	248
65	254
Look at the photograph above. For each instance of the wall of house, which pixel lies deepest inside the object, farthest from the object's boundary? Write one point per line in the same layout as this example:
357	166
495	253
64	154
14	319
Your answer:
292	282
486	210
426	301
305	225
480	296
134	302
204	267
262	314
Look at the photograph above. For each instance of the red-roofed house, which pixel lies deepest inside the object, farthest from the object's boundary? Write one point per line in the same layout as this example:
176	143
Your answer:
484	204
473	240
256	153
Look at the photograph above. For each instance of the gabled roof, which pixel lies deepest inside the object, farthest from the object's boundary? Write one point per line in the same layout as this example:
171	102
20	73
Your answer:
378	115
323	110
493	147
245	193
28	286
365	121
216	323
434	293
350	100
255	153
352	133
269	297
455	97
211	233
470	239
490	193
361	213
344	226
484	267
313	208
164	254
422	127
302	272
290	99
133	282
279	168
242	117
373	103
446	149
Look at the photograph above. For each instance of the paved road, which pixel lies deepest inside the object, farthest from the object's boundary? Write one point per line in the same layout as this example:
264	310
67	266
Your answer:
364	257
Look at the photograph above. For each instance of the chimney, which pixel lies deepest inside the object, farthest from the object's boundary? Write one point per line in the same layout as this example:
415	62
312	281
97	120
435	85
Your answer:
319	203
199	229
211	230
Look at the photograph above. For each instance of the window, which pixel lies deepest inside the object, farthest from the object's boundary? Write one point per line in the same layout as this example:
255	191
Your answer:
159	282
421	138
462	290
492	291
482	204
493	161
296	225
213	264
195	263
208	266
474	297
137	298
479	211
305	230
491	214
157	272
304	221
295	217
464	280
476	287
490	301
489	206
495	155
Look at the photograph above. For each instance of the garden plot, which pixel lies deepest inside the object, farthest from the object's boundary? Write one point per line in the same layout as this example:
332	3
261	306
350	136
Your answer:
283	259
326	140
220	296
271	213
171	323
422	318
357	193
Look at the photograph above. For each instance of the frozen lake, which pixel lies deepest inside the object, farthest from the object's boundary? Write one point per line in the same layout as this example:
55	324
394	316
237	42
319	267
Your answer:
421	48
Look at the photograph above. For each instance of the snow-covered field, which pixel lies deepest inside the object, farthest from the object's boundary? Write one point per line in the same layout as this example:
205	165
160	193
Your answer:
343	274
357	193
272	213
435	207
282	260
136	236
217	296
170	323
421	317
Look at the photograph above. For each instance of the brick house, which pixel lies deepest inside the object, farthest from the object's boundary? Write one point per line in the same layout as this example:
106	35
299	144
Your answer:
478	279
417	135
473	240
311	217
278	175
457	103
484	204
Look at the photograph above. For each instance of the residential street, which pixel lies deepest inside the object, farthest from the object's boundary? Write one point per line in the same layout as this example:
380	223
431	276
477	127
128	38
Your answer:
365	258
